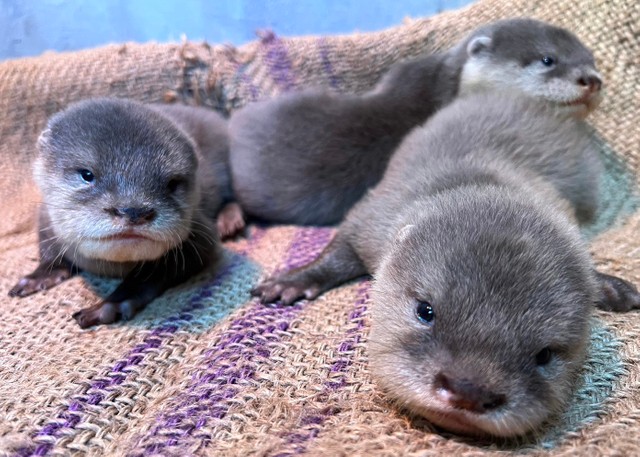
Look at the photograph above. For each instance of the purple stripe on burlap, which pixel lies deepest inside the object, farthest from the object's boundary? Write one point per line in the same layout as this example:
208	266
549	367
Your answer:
277	59
323	47
231	363
312	420
69	418
353	337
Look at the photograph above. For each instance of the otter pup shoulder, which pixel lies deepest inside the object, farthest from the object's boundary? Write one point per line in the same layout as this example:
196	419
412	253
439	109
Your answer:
307	157
125	194
483	285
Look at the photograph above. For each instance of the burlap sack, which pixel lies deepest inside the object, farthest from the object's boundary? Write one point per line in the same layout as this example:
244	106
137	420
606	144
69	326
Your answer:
205	370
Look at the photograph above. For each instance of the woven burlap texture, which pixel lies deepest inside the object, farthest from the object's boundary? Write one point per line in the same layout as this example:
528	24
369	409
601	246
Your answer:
207	371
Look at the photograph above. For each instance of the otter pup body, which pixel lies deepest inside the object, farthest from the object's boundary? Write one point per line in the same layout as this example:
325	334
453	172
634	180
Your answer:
307	157
483	286
126	193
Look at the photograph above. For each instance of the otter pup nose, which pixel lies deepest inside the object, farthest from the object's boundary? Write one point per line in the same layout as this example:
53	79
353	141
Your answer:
592	82
466	394
134	215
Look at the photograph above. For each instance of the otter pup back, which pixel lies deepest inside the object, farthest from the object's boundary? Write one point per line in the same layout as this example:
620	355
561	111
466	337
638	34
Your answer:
307	157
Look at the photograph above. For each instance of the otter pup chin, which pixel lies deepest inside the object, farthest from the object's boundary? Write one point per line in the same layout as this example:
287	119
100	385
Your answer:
483	286
307	157
125	193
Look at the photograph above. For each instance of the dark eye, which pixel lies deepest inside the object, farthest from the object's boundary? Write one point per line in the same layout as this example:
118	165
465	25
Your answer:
548	61
543	357
174	184
86	175
424	312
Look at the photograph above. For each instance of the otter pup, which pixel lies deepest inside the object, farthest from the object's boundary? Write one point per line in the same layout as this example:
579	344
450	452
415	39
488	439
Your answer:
126	192
307	157
483	286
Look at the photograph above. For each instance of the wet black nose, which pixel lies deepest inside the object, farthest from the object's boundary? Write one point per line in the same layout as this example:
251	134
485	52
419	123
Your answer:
465	394
135	216
592	82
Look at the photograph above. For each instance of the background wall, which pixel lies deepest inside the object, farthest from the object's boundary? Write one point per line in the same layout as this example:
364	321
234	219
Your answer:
30	27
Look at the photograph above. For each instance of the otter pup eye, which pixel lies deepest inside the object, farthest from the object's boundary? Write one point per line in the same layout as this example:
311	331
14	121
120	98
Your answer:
86	175
175	183
424	312
548	61
543	357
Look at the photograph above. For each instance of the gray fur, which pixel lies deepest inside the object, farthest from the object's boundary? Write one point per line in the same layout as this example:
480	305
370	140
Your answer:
476	216
308	157
209	131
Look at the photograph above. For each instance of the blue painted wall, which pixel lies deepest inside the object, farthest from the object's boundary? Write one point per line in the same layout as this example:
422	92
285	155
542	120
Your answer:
31	27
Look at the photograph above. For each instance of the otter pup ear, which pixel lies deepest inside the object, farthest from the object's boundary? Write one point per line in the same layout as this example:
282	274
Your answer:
43	139
478	44
403	233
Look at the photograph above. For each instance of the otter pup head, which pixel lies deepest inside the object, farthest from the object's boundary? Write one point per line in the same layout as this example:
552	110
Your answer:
118	180
533	57
480	323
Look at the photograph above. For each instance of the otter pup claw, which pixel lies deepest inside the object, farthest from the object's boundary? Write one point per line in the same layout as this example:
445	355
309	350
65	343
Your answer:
107	313
41	279
102	313
230	220
616	294
337	264
286	290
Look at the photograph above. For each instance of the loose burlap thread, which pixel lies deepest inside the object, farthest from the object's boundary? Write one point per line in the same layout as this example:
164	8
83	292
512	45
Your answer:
207	371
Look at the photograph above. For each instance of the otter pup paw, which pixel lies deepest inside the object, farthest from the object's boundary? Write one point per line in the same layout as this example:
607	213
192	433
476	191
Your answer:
616	294
107	313
41	279
230	220
287	288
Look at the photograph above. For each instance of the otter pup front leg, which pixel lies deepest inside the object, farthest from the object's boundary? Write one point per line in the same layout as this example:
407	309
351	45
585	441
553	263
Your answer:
45	276
129	298
616	294
53	267
230	220
337	264
152	279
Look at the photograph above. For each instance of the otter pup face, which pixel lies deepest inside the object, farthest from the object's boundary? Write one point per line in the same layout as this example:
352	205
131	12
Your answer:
538	59
118	180
481	326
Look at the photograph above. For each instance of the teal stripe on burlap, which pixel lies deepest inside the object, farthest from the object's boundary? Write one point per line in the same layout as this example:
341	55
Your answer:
619	194
602	369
